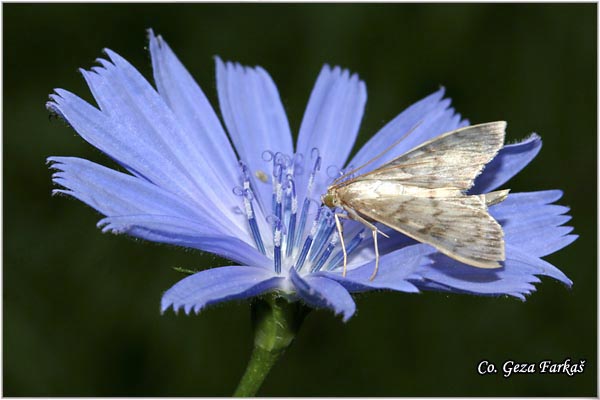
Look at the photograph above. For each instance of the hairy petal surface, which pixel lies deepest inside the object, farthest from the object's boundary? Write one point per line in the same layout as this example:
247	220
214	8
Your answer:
185	233
509	161
192	109
321	292
114	194
255	118
331	121
138	130
217	285
110	136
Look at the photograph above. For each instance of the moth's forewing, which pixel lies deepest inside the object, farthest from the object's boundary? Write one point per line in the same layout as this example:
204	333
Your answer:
494	197
453	159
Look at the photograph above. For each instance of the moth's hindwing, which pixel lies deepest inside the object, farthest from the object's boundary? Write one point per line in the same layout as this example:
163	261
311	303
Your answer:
453	159
458	226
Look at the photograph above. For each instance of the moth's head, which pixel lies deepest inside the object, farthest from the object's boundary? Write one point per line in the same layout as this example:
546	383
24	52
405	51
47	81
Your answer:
330	200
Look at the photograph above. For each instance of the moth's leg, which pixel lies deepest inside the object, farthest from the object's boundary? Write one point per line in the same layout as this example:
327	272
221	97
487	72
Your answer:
354	215
374	231
338	225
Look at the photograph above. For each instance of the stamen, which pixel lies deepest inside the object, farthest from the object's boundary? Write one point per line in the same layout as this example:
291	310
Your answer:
277	190
317	246
306	204
293	202
325	255
268	155
277	246
248	196
326	229
337	259
308	242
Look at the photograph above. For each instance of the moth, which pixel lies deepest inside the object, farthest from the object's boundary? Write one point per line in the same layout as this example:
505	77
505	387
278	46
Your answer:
422	194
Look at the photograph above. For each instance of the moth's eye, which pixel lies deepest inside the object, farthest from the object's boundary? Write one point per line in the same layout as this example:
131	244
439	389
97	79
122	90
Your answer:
328	200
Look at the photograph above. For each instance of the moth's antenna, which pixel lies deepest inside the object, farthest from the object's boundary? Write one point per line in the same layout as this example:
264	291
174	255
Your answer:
378	156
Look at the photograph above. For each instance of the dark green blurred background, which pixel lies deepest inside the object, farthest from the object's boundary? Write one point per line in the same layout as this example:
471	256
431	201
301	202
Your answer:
81	309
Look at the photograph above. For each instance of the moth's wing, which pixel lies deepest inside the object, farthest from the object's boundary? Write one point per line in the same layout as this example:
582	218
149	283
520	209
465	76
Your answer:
493	198
459	227
453	159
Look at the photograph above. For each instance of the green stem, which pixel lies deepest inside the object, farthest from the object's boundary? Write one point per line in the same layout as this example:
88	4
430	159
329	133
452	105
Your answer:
276	322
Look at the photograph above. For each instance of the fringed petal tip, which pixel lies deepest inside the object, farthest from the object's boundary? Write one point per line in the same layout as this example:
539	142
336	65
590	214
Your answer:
58	176
520	296
177	308
533	137
152	36
322	292
53	107
519	292
52	162
215	285
109	225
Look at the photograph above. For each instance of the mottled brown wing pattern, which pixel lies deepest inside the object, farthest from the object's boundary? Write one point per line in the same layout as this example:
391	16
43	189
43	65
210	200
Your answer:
421	194
459	227
453	159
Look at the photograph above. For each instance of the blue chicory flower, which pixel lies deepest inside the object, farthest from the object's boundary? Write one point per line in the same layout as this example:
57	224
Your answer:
256	203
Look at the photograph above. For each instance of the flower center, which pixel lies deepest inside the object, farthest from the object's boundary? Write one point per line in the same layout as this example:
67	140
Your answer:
305	239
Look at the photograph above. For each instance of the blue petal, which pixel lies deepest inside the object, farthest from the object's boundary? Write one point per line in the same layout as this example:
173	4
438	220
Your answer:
533	225
192	109
437	287
139	131
512	278
217	285
255	119
515	278
321	292
395	270
331	121
107	135
510	160
526	202
182	232
535	265
426	118
115	194
153	117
